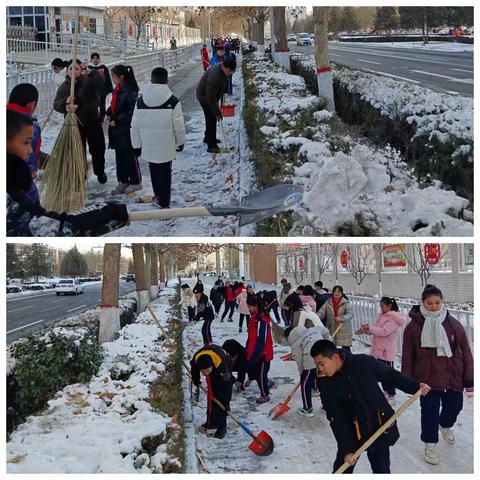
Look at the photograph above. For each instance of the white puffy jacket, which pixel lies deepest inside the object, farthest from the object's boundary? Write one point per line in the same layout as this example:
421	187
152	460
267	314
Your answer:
301	340
158	127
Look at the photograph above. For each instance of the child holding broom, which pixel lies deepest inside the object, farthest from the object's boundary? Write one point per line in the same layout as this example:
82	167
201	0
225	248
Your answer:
27	218
120	115
87	98
355	405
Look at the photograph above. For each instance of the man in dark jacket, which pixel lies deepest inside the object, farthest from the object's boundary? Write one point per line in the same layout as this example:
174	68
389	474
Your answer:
355	405
212	362
210	89
95	64
205	311
216	296
320	294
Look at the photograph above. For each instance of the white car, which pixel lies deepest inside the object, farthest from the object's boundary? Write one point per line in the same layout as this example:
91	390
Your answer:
69	286
303	39
291	37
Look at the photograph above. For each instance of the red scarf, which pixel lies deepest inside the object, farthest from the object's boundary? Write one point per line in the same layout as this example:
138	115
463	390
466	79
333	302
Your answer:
113	103
209	398
336	303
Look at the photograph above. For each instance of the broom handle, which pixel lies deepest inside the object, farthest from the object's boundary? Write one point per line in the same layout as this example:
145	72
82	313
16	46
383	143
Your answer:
384	427
74	53
336	331
44	123
168	213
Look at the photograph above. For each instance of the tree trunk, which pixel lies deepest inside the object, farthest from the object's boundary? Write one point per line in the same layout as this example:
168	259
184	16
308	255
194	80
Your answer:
218	267
148	268
140	278
280	50
161	267
154	273
109	310
230	263
322	58
261	35
313	263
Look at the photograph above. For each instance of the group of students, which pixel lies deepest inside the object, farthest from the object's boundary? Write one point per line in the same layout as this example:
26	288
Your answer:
436	359
150	125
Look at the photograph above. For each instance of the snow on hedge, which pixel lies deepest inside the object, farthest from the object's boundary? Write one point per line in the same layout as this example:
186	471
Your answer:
99	427
344	178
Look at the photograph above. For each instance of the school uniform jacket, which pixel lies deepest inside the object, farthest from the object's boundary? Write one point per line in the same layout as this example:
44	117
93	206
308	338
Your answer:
204	309
260	341
355	405
158	127
119	135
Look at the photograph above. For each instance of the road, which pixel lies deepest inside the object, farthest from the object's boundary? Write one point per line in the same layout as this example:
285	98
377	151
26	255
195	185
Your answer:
450	72
32	312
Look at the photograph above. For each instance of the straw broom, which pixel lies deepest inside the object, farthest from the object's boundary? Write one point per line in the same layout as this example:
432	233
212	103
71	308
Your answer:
63	189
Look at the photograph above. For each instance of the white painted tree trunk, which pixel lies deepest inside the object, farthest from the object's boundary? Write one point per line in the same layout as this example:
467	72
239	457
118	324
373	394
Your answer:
322	58
109	324
142	300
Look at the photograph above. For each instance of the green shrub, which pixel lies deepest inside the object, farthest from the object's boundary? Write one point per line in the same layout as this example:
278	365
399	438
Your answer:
48	362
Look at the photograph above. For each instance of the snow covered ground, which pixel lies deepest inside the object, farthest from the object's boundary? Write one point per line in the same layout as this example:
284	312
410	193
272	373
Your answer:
98	427
432	46
195	182
345	177
305	445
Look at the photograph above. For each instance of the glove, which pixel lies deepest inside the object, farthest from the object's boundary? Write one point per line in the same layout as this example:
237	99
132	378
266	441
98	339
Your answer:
180	148
137	152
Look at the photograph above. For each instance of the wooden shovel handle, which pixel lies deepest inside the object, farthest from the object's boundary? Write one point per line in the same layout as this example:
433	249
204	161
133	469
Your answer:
336	331
384	427
168	213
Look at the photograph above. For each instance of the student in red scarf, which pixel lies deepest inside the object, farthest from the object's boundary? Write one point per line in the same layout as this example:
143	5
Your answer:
212	362
120	112
205	57
259	348
338	311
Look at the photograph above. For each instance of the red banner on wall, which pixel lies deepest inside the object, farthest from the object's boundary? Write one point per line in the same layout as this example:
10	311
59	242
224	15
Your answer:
394	256
344	258
432	253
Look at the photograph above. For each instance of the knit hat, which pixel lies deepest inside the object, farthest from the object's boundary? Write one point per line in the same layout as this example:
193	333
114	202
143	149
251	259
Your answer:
204	362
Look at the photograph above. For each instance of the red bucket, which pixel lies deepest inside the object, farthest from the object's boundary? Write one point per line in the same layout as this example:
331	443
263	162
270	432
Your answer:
228	110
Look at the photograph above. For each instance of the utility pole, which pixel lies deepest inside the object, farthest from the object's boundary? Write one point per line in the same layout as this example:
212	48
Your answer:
241	261
218	267
313	263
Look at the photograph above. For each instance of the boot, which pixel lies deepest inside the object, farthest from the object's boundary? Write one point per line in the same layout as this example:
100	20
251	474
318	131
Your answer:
120	188
305	413
221	432
431	454
447	434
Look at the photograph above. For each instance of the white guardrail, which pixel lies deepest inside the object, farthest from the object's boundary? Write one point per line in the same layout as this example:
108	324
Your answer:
142	66
366	309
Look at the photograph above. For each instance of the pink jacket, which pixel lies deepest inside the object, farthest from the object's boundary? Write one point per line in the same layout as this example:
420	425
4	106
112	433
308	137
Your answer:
385	335
308	300
242	303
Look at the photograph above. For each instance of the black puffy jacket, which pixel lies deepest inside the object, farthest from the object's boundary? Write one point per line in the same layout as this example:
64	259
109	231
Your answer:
119	136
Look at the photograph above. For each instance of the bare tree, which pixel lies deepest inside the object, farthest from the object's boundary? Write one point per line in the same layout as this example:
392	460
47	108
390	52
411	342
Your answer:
154	272
140	277
324	258
322	58
140	16
360	261
278	27
109	309
417	261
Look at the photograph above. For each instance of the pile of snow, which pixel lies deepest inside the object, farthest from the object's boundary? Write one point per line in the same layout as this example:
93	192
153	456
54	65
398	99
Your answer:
99	427
343	178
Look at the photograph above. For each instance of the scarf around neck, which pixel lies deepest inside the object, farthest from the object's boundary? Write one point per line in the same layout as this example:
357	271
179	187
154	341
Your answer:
433	332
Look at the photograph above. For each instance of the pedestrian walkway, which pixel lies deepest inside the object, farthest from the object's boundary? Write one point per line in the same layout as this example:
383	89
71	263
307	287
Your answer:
307	445
194	182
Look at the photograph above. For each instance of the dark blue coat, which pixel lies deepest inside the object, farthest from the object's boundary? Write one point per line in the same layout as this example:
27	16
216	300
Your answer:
356	407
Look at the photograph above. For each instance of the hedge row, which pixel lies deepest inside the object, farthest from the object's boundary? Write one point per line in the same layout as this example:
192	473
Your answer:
430	158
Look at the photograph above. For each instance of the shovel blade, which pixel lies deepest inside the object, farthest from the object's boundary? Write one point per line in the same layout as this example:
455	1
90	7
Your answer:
278	410
262	445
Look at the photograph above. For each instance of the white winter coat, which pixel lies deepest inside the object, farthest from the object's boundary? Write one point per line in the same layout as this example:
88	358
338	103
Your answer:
189	299
59	78
301	340
306	318
158	132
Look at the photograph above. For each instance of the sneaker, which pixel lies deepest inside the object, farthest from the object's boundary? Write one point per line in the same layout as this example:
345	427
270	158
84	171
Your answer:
157	204
431	454
315	393
102	178
133	188
213	150
221	432
447	434
120	188
261	400
305	413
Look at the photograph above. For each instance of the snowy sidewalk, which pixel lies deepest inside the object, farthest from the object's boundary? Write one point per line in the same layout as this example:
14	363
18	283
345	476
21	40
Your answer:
305	445
194	182
104	426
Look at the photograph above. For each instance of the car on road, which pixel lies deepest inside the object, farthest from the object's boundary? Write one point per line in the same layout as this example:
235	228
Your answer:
130	277
69	286
34	286
303	39
291	37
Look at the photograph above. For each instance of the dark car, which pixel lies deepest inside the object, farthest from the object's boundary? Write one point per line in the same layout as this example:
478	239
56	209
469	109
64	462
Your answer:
130	277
